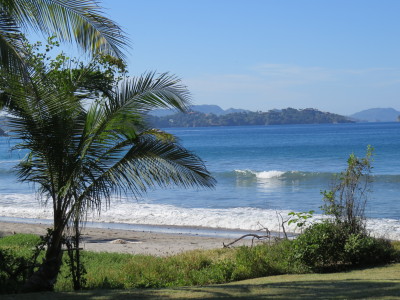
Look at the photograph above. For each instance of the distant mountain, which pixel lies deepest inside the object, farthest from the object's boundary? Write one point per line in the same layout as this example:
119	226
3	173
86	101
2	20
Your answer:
208	109
272	117
205	109
377	115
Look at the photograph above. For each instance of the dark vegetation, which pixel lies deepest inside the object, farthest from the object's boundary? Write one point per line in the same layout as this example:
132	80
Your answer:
272	117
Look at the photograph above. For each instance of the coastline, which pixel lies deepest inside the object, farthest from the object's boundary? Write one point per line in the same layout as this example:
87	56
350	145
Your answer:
132	241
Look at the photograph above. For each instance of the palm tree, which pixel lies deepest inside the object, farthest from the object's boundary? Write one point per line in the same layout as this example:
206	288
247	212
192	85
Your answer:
81	158
72	21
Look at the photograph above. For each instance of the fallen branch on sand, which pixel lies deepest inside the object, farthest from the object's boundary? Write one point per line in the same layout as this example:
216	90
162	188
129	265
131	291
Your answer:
255	236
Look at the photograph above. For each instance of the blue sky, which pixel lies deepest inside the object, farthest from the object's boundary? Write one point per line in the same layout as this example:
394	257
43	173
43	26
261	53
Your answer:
337	56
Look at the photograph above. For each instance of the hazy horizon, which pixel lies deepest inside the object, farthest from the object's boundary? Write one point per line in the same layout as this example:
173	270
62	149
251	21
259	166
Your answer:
230	107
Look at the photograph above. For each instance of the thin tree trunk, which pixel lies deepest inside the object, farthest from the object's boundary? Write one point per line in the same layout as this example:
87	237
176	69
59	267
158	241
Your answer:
45	278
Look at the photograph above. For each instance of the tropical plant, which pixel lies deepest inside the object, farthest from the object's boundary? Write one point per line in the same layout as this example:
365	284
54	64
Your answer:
347	199
301	219
81	158
81	22
342	239
320	246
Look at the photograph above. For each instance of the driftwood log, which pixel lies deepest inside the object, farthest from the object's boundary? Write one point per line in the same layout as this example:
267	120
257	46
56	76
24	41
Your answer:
255	236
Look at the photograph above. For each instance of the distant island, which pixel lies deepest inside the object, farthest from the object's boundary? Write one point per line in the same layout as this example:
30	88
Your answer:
377	115
213	115
243	118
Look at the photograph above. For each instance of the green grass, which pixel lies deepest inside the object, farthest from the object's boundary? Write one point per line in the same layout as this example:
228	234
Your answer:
372	283
19	240
113	275
21	244
192	268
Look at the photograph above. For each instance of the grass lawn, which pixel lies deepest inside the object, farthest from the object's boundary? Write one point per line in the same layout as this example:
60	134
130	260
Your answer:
372	283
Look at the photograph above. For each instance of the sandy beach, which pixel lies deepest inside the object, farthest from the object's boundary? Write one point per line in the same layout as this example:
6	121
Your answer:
130	241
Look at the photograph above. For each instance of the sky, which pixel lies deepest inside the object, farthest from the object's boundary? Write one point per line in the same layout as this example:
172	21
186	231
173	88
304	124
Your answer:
332	55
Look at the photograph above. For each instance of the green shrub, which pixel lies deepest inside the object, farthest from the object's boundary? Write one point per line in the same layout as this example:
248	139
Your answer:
263	260
347	200
250	262
320	246
17	260
365	250
343	240
14	270
329	246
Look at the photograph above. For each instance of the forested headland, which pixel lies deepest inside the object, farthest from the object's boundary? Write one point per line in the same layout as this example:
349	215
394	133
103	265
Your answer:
272	117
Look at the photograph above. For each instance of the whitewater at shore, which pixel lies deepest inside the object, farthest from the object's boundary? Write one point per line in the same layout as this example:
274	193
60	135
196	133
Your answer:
213	221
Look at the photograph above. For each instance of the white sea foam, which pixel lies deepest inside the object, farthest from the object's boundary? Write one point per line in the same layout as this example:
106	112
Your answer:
269	174
260	175
244	218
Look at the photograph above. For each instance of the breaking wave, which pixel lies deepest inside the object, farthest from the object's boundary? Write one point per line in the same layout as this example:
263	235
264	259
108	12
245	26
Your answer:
130	212
298	175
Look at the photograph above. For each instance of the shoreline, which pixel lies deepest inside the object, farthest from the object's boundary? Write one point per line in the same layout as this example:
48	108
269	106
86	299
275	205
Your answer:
153	228
379	228
132	241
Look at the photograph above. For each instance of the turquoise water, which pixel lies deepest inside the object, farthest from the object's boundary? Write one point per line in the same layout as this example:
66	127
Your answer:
260	170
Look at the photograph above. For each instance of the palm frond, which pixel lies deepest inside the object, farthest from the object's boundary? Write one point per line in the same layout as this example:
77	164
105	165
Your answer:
123	112
149	91
147	163
11	50
80	21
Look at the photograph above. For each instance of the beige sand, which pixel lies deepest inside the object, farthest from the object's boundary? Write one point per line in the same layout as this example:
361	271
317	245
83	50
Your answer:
128	241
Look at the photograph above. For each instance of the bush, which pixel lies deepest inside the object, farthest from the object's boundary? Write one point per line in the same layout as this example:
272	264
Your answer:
347	199
251	262
18	254
329	246
320	246
14	270
343	240
365	250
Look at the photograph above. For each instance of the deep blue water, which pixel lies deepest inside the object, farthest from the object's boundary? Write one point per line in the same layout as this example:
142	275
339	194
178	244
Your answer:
271	167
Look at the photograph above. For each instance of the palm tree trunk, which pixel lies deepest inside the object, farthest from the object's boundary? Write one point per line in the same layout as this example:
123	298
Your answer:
45	278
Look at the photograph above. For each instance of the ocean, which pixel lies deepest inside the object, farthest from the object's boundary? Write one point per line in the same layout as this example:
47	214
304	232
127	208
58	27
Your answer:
262	172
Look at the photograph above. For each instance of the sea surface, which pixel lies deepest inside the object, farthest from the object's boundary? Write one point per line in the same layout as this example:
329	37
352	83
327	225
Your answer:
262	172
